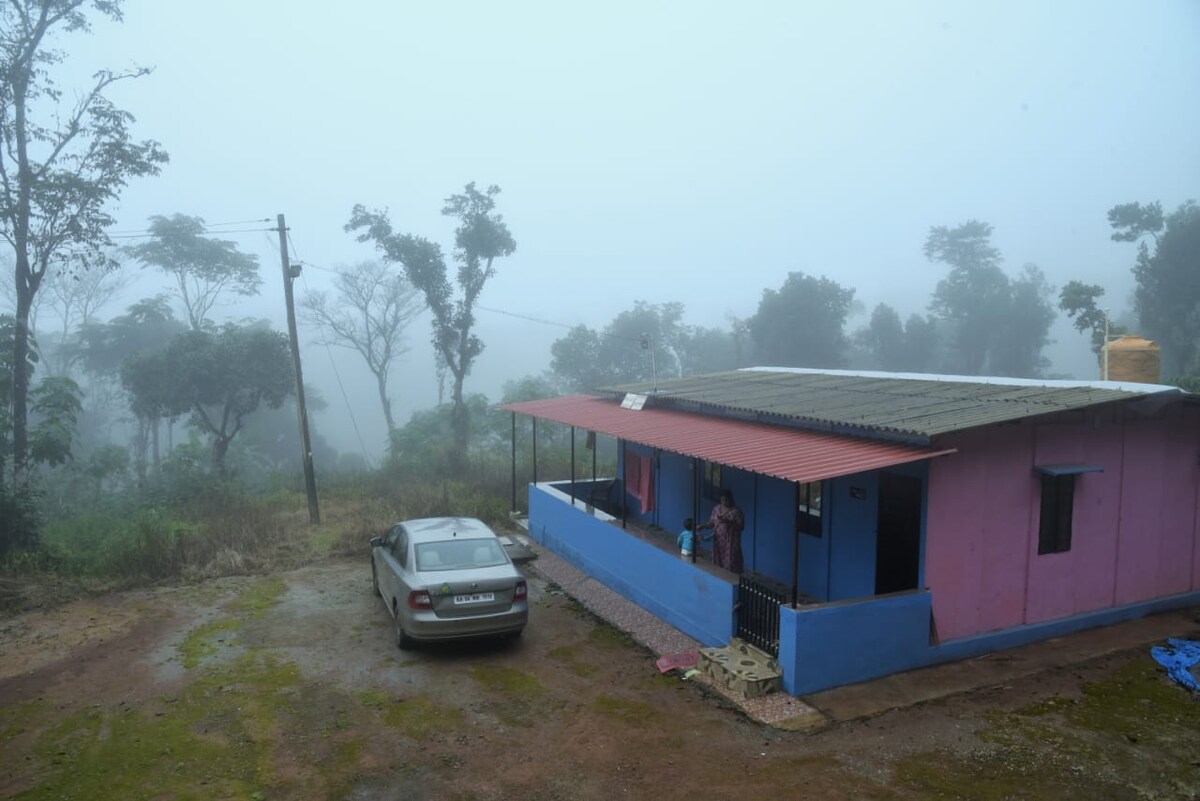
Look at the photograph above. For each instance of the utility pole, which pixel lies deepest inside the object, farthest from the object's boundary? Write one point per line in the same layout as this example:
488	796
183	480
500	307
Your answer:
289	275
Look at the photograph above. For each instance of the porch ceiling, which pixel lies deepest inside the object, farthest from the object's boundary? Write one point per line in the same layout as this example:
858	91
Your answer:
787	453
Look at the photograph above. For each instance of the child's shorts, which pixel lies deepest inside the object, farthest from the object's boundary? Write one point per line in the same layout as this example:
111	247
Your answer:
685	552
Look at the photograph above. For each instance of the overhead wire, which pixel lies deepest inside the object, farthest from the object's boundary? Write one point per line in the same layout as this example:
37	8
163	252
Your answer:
332	362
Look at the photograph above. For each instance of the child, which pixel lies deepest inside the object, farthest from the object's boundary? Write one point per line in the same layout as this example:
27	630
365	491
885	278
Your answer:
687	538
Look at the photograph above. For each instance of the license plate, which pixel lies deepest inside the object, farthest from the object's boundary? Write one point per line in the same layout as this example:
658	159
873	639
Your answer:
475	598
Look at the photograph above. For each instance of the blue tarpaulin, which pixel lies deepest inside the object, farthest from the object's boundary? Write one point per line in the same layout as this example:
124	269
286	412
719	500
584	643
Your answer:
1179	657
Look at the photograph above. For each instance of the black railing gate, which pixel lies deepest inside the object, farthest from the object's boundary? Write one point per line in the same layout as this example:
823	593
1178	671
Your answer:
758	615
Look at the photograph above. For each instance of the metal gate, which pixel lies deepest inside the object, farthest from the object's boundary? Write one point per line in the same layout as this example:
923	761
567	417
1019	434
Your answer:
758	615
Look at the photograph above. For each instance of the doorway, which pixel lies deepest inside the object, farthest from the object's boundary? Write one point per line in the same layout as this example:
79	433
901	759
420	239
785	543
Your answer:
898	534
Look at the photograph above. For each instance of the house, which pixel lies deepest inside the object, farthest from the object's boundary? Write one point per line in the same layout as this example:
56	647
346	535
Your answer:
893	521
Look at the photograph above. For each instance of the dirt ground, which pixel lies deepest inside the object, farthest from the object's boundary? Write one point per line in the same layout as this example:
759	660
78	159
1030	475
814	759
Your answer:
290	687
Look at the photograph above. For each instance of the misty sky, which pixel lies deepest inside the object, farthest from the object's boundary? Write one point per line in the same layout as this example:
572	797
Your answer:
692	152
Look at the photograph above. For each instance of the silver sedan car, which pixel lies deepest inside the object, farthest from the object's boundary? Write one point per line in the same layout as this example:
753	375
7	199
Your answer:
444	578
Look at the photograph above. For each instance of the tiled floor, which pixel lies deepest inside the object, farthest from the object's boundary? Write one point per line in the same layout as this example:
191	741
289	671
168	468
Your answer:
777	709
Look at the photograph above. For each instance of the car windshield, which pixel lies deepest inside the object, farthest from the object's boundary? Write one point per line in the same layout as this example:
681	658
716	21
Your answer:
459	554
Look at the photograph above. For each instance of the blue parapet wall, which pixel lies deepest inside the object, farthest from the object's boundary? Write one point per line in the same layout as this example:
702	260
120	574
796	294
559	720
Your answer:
661	582
828	645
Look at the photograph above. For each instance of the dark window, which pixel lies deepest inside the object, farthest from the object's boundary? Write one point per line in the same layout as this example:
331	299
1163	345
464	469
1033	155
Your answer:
400	546
808	508
1058	498
390	540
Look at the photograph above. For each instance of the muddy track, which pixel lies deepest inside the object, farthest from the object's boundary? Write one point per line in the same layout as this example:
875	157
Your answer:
290	687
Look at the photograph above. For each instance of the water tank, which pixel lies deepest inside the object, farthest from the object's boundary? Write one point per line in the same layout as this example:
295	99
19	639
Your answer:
1132	358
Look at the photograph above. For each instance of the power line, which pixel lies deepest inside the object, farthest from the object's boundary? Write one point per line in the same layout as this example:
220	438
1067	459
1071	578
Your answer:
333	363
524	317
147	234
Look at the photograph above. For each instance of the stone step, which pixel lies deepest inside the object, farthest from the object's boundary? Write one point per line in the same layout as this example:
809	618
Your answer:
742	668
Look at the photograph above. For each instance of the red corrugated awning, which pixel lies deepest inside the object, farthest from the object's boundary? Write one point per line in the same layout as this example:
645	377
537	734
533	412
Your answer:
787	453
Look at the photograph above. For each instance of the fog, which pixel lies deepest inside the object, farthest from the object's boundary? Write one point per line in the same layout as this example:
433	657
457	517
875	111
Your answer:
690	152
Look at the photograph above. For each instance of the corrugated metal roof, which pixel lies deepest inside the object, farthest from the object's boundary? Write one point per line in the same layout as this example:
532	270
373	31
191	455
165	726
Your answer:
908	407
787	453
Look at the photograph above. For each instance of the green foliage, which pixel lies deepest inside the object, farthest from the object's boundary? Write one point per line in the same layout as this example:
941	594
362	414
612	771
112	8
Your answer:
56	404
1188	383
1079	301
802	323
215	533
646	342
147	325
998	326
67	157
20	520
904	347
203	267
1167	298
219	378
481	237
585	360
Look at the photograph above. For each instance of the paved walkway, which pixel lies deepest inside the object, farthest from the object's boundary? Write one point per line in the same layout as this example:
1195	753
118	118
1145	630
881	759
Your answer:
869	698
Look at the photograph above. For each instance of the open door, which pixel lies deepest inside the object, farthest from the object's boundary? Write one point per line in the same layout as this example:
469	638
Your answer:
898	536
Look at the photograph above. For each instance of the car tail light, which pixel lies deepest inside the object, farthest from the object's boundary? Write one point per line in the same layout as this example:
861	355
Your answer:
521	592
419	599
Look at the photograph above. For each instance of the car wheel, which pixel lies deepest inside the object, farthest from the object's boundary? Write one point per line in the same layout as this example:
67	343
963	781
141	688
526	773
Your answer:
375	579
402	638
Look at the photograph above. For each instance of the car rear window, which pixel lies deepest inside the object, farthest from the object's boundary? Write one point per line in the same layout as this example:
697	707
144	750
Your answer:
459	554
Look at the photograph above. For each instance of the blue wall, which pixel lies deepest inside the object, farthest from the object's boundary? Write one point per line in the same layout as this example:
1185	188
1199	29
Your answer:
843	643
659	581
852	532
674	482
768	547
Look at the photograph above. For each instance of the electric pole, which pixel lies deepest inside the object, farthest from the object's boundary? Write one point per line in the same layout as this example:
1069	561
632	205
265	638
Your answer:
289	275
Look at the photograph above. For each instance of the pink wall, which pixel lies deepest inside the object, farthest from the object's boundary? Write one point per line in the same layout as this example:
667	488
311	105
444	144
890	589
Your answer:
1135	524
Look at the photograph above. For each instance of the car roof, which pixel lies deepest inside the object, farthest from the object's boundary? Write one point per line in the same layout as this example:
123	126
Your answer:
434	529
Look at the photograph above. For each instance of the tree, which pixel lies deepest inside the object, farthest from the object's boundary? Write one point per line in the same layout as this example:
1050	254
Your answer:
219	378
61	166
802	323
372	308
76	297
905	347
997	325
101	348
1167	298
480	239
1026	326
707	350
973	296
203	267
1079	301
54	406
639	344
883	337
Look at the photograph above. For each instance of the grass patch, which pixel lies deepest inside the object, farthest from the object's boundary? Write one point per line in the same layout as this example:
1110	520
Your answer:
202	642
261	597
517	699
624	709
416	716
207	743
610	635
570	656
205	640
1130	735
506	681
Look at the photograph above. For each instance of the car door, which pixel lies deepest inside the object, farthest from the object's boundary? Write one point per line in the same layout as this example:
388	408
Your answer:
387	565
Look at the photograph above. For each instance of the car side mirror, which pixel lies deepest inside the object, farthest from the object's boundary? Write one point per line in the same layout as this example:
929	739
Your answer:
376	542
